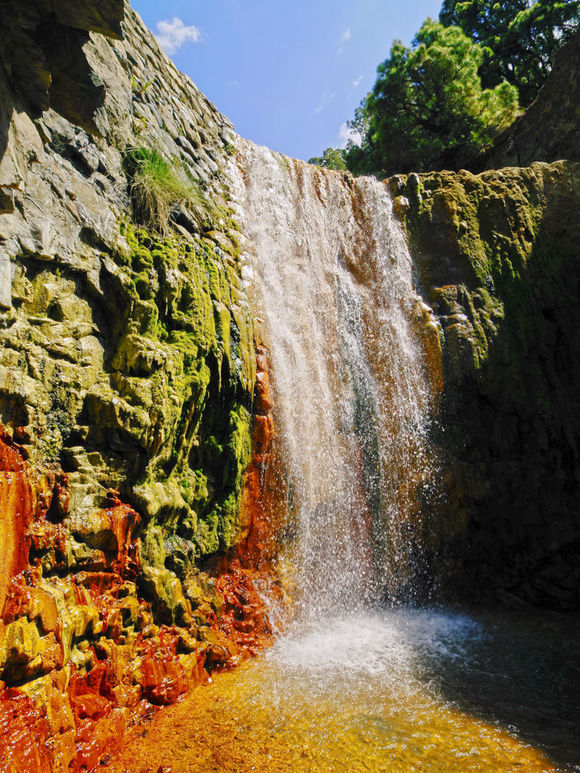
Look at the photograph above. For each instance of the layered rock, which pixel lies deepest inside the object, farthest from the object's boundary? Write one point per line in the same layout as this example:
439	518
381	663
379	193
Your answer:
497	259
127	383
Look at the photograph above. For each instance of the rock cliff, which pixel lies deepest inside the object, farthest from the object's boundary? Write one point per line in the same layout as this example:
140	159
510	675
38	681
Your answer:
497	259
127	375
548	130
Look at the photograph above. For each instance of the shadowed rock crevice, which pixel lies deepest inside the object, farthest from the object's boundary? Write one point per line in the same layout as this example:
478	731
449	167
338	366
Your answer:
41	48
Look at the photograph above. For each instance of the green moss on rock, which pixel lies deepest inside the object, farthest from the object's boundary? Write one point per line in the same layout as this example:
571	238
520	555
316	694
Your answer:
184	370
497	259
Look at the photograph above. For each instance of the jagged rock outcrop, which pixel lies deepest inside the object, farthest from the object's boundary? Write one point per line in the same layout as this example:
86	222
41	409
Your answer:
41	47
498	260
127	377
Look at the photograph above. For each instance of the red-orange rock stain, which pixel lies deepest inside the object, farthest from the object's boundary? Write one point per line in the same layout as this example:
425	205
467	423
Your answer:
16	512
244	618
258	543
83	717
166	676
24	732
30	742
123	522
99	723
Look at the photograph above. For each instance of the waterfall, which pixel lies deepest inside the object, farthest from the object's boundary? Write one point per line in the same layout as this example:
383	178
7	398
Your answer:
332	282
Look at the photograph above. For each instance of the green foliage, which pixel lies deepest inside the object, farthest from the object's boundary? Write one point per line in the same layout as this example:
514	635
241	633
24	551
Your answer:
332	158
157	186
440	103
520	37
428	109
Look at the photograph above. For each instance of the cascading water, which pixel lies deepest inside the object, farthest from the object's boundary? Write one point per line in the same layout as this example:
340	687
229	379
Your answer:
352	684
334	283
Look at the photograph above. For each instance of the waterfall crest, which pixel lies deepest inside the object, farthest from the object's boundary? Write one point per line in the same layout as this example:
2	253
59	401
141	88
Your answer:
333	284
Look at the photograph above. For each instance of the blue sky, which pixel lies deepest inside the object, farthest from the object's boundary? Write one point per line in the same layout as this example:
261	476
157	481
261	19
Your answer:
288	73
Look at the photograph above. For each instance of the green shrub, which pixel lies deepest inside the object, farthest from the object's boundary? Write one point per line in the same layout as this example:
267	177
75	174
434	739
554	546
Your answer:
157	186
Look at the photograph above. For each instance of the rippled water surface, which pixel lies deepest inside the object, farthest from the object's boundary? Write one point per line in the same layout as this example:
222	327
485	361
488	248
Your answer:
400	690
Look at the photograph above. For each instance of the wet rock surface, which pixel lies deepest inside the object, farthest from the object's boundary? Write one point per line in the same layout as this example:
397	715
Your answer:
497	258
86	652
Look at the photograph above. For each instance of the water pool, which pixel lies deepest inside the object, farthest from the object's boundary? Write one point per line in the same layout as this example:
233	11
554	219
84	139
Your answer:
396	690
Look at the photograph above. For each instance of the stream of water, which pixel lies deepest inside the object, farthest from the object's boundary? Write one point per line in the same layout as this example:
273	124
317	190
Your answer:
332	280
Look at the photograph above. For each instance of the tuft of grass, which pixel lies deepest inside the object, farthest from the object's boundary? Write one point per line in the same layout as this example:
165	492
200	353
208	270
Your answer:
157	187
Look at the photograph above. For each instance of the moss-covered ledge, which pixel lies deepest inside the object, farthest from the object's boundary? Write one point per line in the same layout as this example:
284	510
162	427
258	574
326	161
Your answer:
498	259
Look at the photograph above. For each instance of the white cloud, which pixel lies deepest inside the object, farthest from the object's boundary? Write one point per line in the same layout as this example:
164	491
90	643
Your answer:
357	81
173	34
346	135
324	102
346	36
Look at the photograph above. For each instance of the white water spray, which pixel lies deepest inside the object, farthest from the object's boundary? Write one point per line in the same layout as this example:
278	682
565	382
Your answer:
333	283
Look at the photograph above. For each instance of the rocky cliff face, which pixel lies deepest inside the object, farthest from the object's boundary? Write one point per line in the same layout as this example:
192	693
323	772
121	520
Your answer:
127	375
497	259
115	334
